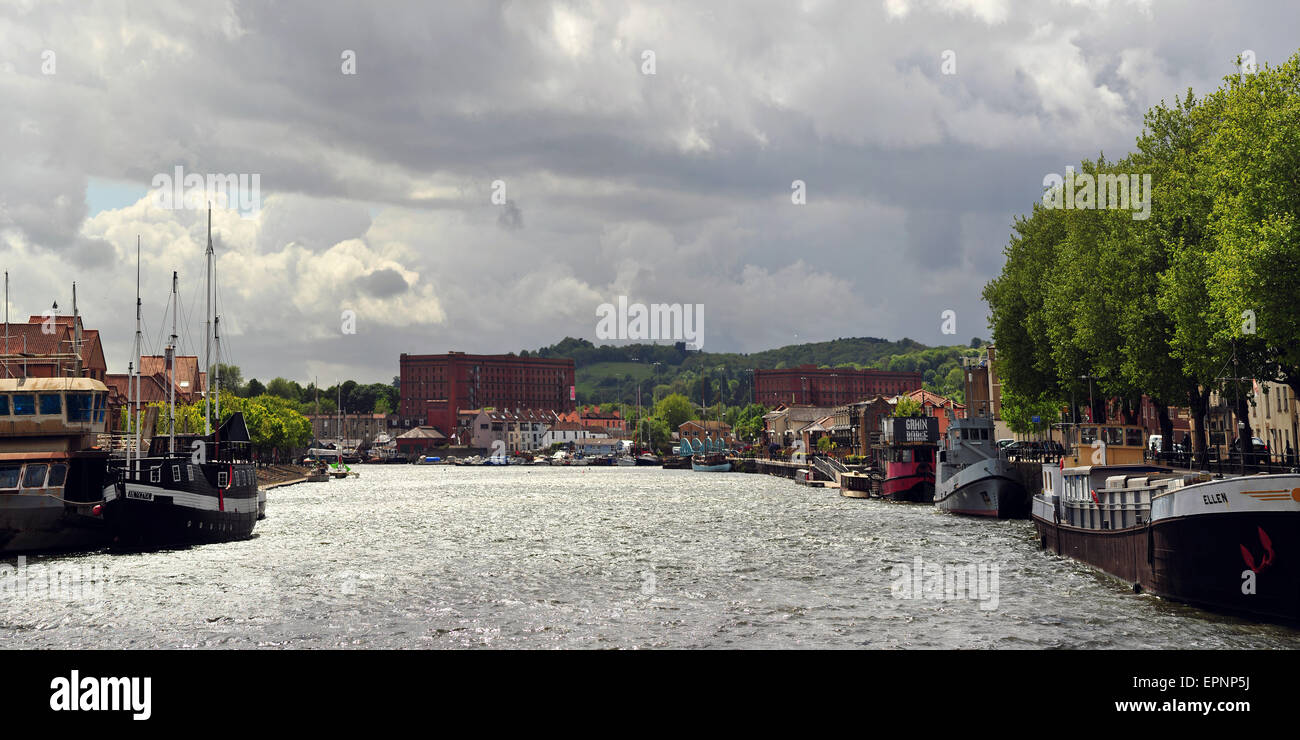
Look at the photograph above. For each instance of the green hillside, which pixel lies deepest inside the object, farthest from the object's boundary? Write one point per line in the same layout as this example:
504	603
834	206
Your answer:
611	374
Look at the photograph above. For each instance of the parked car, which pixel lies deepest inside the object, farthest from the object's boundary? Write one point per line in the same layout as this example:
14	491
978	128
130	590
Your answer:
1258	448
1002	443
1027	449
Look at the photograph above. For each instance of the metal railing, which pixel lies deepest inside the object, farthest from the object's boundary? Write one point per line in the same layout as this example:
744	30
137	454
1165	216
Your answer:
829	467
1232	464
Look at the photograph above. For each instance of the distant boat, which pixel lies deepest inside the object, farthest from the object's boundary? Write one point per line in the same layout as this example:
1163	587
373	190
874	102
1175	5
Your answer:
713	462
648	459
625	461
677	462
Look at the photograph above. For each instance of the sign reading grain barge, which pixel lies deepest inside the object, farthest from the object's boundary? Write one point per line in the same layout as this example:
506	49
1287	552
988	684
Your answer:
923	430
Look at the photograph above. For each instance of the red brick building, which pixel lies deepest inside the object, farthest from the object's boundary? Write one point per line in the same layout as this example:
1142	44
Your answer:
811	385
591	417
435	388
943	409
37	349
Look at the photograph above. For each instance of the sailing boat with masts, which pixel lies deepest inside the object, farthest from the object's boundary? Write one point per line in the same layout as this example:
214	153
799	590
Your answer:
341	470
187	488
645	457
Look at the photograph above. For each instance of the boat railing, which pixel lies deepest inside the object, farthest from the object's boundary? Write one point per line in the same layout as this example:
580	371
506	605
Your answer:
1231	464
117	442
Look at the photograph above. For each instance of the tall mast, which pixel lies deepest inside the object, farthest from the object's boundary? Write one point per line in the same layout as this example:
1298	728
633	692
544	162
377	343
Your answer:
130	376
171	377
216	338
138	347
207	330
76	335
7	323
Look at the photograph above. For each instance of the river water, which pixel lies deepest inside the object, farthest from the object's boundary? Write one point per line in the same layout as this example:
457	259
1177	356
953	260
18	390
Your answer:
537	557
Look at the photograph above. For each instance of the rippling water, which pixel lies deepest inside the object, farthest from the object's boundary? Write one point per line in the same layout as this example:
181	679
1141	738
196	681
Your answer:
433	556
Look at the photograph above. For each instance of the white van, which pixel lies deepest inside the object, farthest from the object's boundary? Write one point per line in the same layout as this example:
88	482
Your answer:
1153	442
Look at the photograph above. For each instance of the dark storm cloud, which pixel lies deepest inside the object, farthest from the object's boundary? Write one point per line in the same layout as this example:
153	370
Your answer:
673	186
383	283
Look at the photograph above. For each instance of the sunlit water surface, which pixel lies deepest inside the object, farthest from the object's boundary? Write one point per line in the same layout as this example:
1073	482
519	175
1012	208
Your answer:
434	557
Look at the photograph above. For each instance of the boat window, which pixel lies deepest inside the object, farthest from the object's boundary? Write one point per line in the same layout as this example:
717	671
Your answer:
1087	435
99	406
1113	435
155	475
4	405
51	404
24	404
79	406
58	474
1133	436
35	476
176	473
222	481
9	475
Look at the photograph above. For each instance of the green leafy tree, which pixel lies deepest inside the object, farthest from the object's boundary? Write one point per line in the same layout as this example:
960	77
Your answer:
907	407
675	410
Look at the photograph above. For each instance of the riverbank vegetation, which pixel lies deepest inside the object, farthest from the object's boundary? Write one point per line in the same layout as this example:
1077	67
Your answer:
1196	298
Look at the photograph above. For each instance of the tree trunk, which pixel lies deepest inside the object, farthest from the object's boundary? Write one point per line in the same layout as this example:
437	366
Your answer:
1244	446
1166	427
1198	399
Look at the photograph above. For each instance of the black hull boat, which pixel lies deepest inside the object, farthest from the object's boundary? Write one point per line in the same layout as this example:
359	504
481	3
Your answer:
186	489
1230	562
1227	545
648	460
168	499
193	511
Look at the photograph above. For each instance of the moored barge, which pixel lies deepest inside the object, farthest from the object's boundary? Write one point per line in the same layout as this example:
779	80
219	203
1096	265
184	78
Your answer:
1227	544
908	452
51	469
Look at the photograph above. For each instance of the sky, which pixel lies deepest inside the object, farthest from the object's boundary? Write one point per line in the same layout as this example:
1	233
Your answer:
482	176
